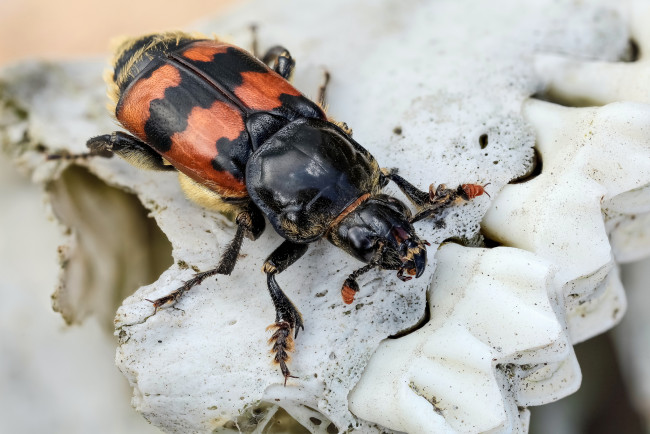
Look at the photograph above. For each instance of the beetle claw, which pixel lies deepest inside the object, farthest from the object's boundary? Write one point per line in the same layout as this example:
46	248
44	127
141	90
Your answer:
162	301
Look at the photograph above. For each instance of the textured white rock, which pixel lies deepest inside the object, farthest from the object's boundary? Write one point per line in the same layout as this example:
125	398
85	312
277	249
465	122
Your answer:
445	73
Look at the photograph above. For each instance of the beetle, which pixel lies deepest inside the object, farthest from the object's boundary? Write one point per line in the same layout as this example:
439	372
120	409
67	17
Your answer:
248	144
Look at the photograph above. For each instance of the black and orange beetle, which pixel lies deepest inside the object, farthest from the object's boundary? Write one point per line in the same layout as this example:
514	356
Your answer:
246	143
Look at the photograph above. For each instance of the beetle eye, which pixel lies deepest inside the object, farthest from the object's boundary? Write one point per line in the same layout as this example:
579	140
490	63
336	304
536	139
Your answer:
362	243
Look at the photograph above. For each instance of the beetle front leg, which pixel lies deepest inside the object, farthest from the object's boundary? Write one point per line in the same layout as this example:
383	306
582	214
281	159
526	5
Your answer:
418	197
288	320
437	199
442	197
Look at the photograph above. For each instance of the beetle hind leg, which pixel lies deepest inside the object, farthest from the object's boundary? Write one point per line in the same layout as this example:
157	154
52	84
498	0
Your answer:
280	61
282	344
254	43
100	146
288	322
322	90
131	149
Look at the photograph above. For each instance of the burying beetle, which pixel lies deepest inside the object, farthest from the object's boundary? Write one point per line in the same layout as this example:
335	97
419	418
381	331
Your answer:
246	143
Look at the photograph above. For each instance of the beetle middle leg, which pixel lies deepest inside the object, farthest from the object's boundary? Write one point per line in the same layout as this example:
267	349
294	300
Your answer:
250	222
288	320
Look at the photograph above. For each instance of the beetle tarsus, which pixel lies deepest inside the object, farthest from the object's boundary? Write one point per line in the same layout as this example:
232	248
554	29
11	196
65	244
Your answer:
441	198
282	343
67	156
288	320
172	298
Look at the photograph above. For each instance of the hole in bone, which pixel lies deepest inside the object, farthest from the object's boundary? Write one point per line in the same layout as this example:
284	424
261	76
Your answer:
533	171
552	96
483	141
632	52
332	429
489	242
282	422
475	241
117	247
279	422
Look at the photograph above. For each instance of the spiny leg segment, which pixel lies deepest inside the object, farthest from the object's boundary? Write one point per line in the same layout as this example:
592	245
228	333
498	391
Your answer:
433	203
245	226
288	320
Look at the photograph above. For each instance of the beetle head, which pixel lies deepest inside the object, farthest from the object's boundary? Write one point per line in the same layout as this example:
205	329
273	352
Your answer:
378	231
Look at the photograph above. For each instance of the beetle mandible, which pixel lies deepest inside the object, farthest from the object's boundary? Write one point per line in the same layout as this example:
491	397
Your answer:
246	143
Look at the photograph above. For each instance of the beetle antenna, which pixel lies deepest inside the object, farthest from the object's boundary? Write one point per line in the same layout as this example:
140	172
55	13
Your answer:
254	48
350	286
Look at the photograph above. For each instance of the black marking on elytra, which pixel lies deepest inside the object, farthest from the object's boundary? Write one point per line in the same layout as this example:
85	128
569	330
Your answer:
232	155
158	49
169	114
225	70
